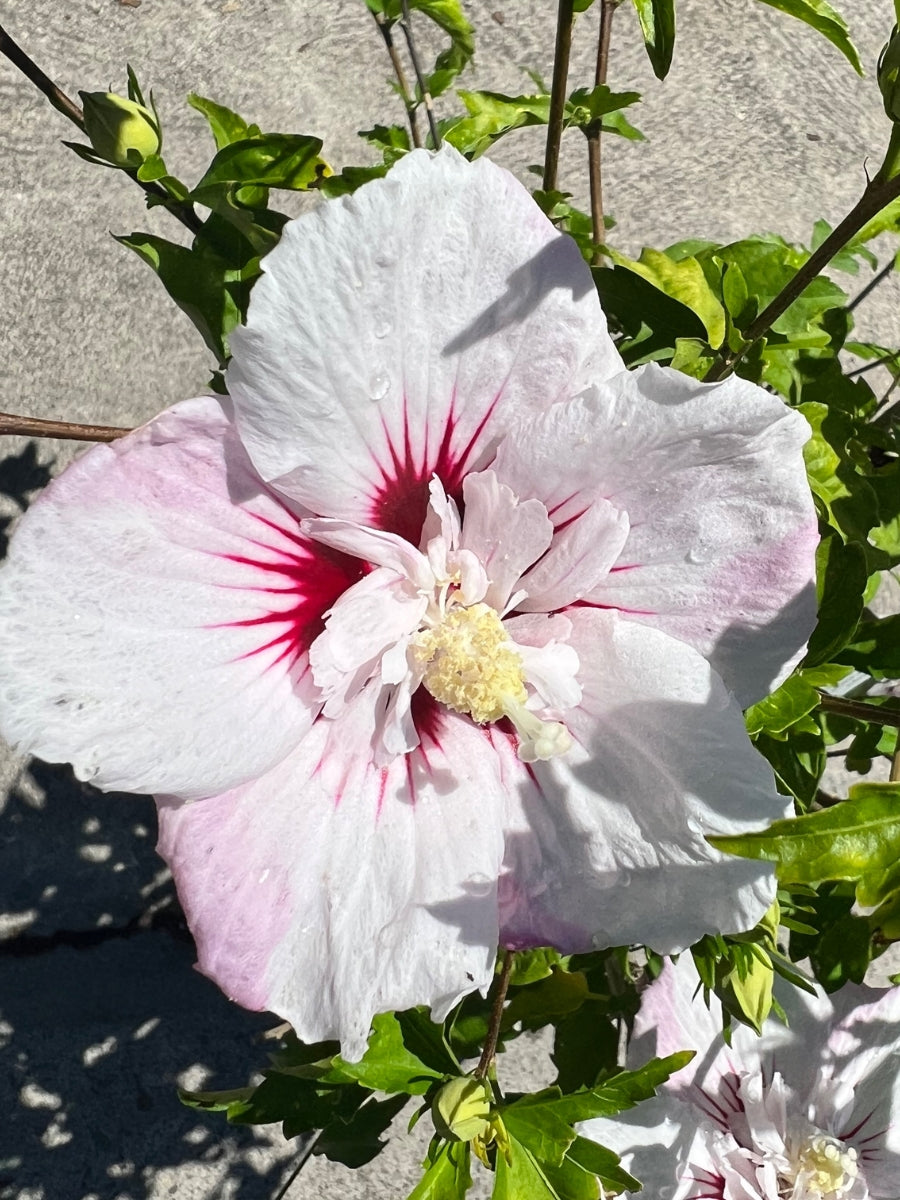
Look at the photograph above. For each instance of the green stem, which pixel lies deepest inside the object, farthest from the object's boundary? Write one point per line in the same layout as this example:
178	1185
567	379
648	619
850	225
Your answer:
493	1033
564	18
879	192
859	710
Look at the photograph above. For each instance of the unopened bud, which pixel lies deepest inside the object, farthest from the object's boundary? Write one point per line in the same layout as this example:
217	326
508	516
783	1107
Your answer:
120	130
462	1109
889	75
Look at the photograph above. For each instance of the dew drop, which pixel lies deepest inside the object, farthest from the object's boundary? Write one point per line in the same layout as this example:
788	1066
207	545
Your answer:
694	825
479	885
382	329
695	556
378	386
384	260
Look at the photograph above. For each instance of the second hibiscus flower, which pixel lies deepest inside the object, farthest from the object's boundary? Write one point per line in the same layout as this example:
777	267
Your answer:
436	634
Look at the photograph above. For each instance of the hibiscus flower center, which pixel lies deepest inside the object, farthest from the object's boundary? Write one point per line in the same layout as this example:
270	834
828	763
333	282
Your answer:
471	665
823	1167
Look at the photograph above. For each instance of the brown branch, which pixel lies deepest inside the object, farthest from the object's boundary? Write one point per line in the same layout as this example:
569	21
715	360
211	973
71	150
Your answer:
564	18
878	194
493	1033
859	710
607	8
34	427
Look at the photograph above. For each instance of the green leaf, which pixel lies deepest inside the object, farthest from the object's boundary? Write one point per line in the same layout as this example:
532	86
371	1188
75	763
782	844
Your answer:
657	18
279	160
825	20
387	1065
350	179
584	1047
599	1161
587	108
857	840
621	1091
534	1123
560	993
232	1100
491	115
227	127
519	1177
785	707
685	282
652	321
531	965
200	282
447	1177
841	577
356	1140
875	647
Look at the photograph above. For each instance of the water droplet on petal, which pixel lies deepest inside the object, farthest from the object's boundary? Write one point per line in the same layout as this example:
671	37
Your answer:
479	885
382	329
385	260
695	556
378	386
695	826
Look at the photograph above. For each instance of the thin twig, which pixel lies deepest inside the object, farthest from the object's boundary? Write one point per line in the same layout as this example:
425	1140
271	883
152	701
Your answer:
895	766
859	710
564	18
871	286
877	195
62	103
406	26
607	8
34	427
406	96
302	1160
490	1043
870	366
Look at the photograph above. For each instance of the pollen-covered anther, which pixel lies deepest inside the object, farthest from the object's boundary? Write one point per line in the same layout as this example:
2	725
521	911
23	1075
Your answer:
827	1166
471	665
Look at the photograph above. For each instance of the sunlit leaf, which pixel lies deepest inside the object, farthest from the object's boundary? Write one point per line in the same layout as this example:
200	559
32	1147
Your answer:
826	20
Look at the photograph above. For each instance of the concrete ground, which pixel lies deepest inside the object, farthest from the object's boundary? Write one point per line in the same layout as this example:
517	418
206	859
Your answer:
760	126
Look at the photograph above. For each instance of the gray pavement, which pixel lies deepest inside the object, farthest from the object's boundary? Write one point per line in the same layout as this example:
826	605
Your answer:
760	126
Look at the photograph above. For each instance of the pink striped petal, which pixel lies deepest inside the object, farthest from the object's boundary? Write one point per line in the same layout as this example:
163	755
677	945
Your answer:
606	844
721	547
397	332
330	890
155	613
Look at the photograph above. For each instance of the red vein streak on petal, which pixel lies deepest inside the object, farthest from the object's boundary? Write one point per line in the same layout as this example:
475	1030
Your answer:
314	575
401	498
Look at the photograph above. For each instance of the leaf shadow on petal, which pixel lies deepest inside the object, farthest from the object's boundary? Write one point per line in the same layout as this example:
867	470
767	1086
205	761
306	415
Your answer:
553	267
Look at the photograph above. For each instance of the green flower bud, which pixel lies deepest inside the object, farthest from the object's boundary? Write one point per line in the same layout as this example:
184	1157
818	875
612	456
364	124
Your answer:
121	131
462	1109
889	75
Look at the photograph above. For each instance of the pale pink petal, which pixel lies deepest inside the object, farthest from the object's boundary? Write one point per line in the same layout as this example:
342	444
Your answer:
330	890
720	551
607	842
578	560
397	332
506	534
156	610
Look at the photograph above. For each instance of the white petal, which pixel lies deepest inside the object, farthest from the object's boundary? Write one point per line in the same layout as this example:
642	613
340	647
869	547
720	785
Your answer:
578	560
331	890
396	332
721	549
507	535
608	845
155	613
369	620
